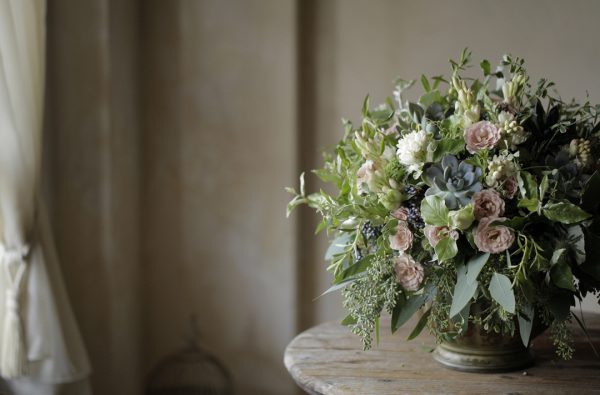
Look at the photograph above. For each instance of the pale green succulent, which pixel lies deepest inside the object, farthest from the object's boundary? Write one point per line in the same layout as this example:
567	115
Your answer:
454	182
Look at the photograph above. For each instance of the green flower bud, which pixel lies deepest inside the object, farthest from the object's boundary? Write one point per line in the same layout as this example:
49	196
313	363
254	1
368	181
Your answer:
463	218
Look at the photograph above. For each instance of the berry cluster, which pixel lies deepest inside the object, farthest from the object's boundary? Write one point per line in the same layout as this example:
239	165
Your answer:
370	231
414	214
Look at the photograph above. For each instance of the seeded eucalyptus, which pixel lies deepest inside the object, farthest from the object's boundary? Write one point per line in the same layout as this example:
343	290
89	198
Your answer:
477	203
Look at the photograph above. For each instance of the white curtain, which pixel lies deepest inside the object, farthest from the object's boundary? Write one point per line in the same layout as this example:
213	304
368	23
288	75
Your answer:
41	351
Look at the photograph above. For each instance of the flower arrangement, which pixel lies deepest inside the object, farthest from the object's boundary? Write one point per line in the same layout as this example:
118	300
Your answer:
483	191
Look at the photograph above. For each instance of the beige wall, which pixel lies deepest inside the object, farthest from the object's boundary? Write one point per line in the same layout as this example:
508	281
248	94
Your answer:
173	127
219	134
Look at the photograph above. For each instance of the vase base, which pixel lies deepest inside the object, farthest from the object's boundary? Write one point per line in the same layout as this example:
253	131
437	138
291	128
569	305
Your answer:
483	360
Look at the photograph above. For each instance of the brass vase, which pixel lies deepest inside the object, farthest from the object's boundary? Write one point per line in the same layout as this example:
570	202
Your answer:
484	352
479	351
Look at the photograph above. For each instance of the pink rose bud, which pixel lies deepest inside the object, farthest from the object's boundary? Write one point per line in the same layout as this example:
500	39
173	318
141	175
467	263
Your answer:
400	214
488	203
408	272
493	238
402	240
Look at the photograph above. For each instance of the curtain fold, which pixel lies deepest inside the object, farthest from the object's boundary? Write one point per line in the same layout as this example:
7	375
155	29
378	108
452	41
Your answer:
40	344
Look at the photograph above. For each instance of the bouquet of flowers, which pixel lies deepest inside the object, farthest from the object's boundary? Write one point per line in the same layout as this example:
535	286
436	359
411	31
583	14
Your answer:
485	191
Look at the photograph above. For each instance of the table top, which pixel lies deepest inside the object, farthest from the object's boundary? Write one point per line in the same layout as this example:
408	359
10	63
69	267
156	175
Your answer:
328	360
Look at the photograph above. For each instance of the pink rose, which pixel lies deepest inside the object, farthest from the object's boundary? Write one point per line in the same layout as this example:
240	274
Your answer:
400	214
402	240
436	233
493	238
408	272
510	186
480	135
488	203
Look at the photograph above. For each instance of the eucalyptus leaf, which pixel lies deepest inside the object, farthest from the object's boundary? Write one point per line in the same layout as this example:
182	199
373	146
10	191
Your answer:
466	283
338	286
502	292
356	268
406	309
564	212
420	325
434	211
526	323
337	246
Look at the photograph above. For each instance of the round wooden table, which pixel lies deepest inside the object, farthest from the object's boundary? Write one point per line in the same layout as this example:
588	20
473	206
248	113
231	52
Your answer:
328	360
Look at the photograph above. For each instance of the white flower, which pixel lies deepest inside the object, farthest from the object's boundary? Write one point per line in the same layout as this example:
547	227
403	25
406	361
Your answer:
511	132
500	168
412	150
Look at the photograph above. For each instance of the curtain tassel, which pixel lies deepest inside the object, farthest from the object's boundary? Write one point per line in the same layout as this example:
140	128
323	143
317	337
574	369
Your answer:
13	358
13	361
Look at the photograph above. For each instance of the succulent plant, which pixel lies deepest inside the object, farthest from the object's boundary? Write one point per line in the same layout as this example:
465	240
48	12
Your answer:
568	177
455	182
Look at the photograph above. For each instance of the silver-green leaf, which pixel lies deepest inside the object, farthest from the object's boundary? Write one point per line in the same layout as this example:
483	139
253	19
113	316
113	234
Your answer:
526	323
502	292
466	283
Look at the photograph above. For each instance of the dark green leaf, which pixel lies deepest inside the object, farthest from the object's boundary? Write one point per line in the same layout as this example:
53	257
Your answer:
532	205
485	66
528	185
562	276
420	325
502	292
425	83
365	107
